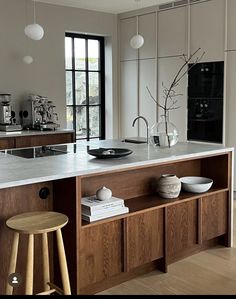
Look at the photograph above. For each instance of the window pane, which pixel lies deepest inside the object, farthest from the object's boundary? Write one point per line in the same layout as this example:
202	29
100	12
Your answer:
68	50
80	88
69	118
93	55
94	85
94	121
80	54
69	88
81	123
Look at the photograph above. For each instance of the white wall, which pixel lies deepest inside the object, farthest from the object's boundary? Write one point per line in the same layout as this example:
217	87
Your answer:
46	75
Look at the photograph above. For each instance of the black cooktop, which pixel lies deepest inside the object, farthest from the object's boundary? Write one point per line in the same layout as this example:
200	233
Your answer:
39	151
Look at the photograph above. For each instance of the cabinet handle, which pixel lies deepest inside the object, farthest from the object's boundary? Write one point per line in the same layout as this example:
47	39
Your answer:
44	193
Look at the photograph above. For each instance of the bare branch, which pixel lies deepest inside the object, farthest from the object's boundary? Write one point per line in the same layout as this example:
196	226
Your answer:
154	99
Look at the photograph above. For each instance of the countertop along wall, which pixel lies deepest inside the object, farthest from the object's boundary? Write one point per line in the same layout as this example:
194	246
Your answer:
46	75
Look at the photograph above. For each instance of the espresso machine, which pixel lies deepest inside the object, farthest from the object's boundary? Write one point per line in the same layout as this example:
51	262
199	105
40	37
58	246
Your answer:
7	115
38	113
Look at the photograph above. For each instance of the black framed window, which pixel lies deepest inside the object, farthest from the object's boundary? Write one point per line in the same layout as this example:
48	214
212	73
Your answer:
85	85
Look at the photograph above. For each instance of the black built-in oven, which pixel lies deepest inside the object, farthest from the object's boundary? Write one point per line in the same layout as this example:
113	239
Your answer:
205	102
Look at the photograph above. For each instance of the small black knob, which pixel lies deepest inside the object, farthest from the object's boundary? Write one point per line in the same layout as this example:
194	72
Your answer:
44	193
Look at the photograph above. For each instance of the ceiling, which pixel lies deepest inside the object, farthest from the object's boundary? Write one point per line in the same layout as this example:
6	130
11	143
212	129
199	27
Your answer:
111	6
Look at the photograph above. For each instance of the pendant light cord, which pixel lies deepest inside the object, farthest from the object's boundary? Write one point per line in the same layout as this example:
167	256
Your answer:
34	12
137	25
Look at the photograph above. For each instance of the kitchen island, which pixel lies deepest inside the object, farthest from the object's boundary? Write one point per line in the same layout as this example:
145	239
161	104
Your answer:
154	234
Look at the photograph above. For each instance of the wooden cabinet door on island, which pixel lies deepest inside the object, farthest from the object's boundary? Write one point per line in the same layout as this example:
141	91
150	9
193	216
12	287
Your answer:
144	238
7	143
182	228
214	214
100	253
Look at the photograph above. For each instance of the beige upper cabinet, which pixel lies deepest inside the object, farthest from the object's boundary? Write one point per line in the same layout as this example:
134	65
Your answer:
167	70
129	98
147	106
147	28
208	29
173	32
127	31
231	45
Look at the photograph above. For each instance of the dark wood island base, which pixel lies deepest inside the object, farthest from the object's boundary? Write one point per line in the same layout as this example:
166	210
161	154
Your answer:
155	233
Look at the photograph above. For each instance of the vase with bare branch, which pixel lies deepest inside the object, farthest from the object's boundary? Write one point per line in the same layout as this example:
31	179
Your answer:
164	133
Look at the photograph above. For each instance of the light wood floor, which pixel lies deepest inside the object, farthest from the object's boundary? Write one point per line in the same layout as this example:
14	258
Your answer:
211	272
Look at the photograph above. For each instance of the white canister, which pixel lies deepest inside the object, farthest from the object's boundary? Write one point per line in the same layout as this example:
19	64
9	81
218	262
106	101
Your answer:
103	193
169	186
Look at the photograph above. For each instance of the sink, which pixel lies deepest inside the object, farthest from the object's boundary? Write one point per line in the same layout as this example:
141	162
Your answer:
137	140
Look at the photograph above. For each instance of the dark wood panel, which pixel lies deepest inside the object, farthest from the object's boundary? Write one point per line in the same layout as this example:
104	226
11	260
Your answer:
137	182
101	254
66	201
144	238
28	141
7	143
182	231
214	215
14	201
220	174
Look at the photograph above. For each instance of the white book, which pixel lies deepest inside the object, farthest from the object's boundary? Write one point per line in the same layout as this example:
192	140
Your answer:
92	204
87	211
105	215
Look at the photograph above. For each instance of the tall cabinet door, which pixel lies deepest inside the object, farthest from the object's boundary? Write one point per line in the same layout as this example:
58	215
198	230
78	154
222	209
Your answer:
167	70
172	32
231	104
147	79
129	98
207	29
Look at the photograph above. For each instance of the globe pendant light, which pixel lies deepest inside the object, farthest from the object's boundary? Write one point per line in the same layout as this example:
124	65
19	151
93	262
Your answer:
28	59
34	31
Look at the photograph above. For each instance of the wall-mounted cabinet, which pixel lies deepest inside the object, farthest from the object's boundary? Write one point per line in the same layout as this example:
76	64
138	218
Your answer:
173	32
208	29
167	70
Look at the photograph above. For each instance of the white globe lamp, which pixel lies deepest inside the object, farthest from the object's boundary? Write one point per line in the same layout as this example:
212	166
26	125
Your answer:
34	31
28	59
137	41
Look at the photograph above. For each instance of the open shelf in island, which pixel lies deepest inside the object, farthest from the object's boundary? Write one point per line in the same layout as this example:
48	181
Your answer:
151	202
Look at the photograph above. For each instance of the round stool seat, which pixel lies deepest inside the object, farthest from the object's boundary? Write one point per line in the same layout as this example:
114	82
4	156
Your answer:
37	222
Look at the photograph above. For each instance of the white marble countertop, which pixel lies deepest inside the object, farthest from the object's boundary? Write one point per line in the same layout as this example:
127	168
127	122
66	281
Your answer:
17	171
33	133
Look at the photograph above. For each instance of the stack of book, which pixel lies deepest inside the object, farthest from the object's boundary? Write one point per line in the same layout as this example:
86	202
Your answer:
94	209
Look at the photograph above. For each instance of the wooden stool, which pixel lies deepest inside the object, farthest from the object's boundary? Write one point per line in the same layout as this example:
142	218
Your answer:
32	224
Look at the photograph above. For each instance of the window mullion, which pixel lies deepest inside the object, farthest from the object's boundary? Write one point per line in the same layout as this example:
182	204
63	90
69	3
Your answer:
74	85
87	91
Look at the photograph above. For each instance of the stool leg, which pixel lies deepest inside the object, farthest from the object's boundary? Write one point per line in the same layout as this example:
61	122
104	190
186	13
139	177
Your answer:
12	267
63	263
30	267
46	269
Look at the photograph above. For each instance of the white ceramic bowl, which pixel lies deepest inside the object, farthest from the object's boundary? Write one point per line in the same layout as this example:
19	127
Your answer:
196	184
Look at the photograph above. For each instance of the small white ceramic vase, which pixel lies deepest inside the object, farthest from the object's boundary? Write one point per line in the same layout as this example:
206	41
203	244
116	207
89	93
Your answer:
169	186
103	193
